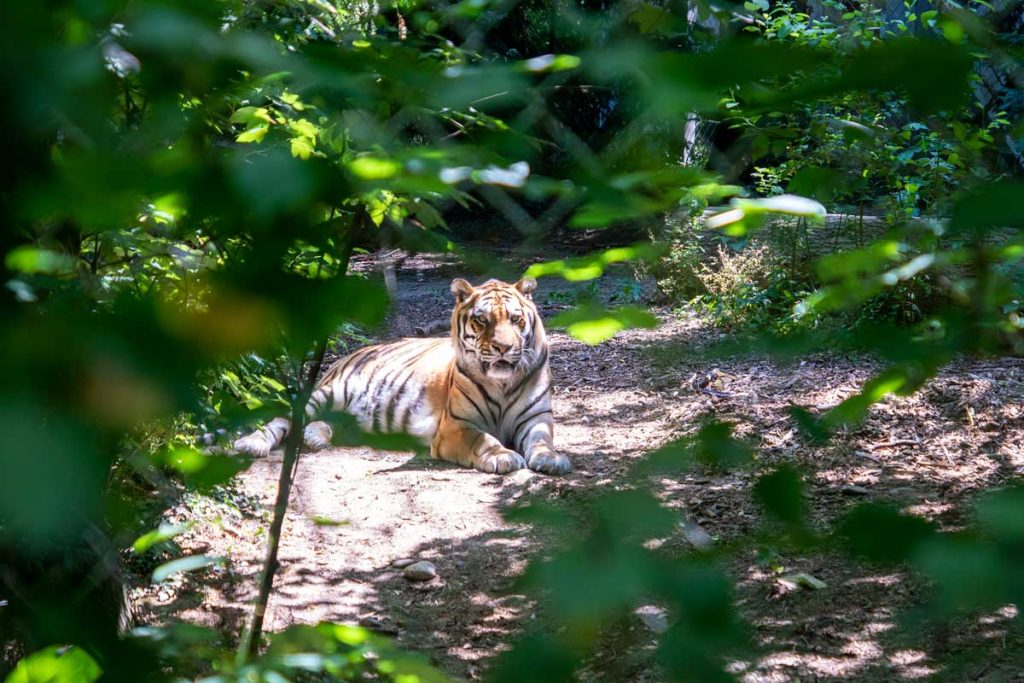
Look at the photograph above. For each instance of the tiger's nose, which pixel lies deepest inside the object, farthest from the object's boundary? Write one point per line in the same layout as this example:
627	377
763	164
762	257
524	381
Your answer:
500	347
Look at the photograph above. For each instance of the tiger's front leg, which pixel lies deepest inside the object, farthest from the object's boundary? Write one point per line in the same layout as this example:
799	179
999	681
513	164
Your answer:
537	446
461	442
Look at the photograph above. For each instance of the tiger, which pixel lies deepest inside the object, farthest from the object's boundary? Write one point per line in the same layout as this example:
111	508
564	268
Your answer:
480	397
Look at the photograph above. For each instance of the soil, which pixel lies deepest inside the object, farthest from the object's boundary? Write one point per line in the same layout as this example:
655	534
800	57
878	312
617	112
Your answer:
355	511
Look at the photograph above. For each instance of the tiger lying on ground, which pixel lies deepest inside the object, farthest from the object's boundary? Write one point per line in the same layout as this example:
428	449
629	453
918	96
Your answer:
481	398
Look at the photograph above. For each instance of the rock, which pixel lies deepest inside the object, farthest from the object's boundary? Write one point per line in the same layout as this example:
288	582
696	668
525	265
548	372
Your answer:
523	476
653	618
420	571
853	490
695	534
403	563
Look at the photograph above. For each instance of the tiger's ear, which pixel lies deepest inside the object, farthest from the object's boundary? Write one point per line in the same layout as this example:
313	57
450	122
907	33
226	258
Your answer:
461	289
526	287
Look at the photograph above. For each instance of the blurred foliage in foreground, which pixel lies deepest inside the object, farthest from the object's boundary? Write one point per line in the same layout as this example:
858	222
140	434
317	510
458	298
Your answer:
186	182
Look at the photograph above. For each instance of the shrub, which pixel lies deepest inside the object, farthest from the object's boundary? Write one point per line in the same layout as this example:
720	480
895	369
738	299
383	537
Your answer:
749	288
676	272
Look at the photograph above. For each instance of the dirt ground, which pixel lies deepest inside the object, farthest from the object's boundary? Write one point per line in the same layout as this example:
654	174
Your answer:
355	512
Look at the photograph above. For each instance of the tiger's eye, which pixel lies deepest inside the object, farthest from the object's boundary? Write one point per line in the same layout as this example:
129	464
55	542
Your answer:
480	319
516	319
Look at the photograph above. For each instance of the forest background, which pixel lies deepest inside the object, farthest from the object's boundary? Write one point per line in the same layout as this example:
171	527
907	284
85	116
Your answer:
187	183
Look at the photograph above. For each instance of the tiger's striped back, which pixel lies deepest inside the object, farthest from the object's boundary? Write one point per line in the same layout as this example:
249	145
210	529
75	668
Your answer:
388	388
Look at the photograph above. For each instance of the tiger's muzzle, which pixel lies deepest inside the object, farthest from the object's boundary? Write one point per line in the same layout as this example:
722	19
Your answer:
501	366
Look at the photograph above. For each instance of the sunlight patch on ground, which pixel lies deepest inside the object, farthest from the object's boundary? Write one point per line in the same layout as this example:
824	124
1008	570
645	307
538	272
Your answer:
882	580
911	664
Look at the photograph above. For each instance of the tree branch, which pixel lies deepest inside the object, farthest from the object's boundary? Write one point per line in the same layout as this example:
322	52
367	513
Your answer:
249	643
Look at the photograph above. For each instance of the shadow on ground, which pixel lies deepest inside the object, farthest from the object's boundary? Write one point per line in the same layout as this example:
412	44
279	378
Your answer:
355	512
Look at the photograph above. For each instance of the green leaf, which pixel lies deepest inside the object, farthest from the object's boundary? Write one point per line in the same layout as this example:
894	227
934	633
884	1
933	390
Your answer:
713	446
992	206
895	380
809	425
818	183
593	265
347	432
57	664
164	532
934	74
301	148
292	100
31	260
971	573
250	115
803	580
593	325
549	660
748	214
781	493
253	134
551	63
1002	515
185	564
202	471
304	128
634	514
320	520
882	534
649	18
717	448
374	168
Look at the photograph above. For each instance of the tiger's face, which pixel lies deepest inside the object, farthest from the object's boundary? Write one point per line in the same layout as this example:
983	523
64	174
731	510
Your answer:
496	327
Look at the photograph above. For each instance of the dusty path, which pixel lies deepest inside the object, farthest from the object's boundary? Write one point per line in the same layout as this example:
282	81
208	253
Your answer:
355	511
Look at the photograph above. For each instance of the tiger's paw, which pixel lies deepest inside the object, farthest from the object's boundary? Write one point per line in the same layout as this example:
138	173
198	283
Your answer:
254	444
547	461
501	462
317	436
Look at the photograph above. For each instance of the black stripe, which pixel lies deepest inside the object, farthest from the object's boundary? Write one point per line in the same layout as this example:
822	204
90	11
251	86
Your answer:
316	406
536	399
469	398
389	418
364	357
541	362
413	407
345	396
522	423
454	416
392	364
395	366
483	392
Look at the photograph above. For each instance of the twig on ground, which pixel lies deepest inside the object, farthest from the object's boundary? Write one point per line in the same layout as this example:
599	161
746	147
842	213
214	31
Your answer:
894	443
865	454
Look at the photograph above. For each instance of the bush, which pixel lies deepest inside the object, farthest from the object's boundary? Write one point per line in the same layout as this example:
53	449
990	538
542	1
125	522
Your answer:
676	272
749	288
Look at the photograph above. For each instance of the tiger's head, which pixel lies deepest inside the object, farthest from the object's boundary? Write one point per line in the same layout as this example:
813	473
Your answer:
496	328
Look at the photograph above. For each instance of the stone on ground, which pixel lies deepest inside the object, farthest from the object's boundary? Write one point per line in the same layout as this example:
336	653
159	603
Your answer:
420	571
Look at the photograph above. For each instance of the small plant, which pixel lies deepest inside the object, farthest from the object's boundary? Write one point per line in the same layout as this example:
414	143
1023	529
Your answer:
750	288
770	180
573	297
676	272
